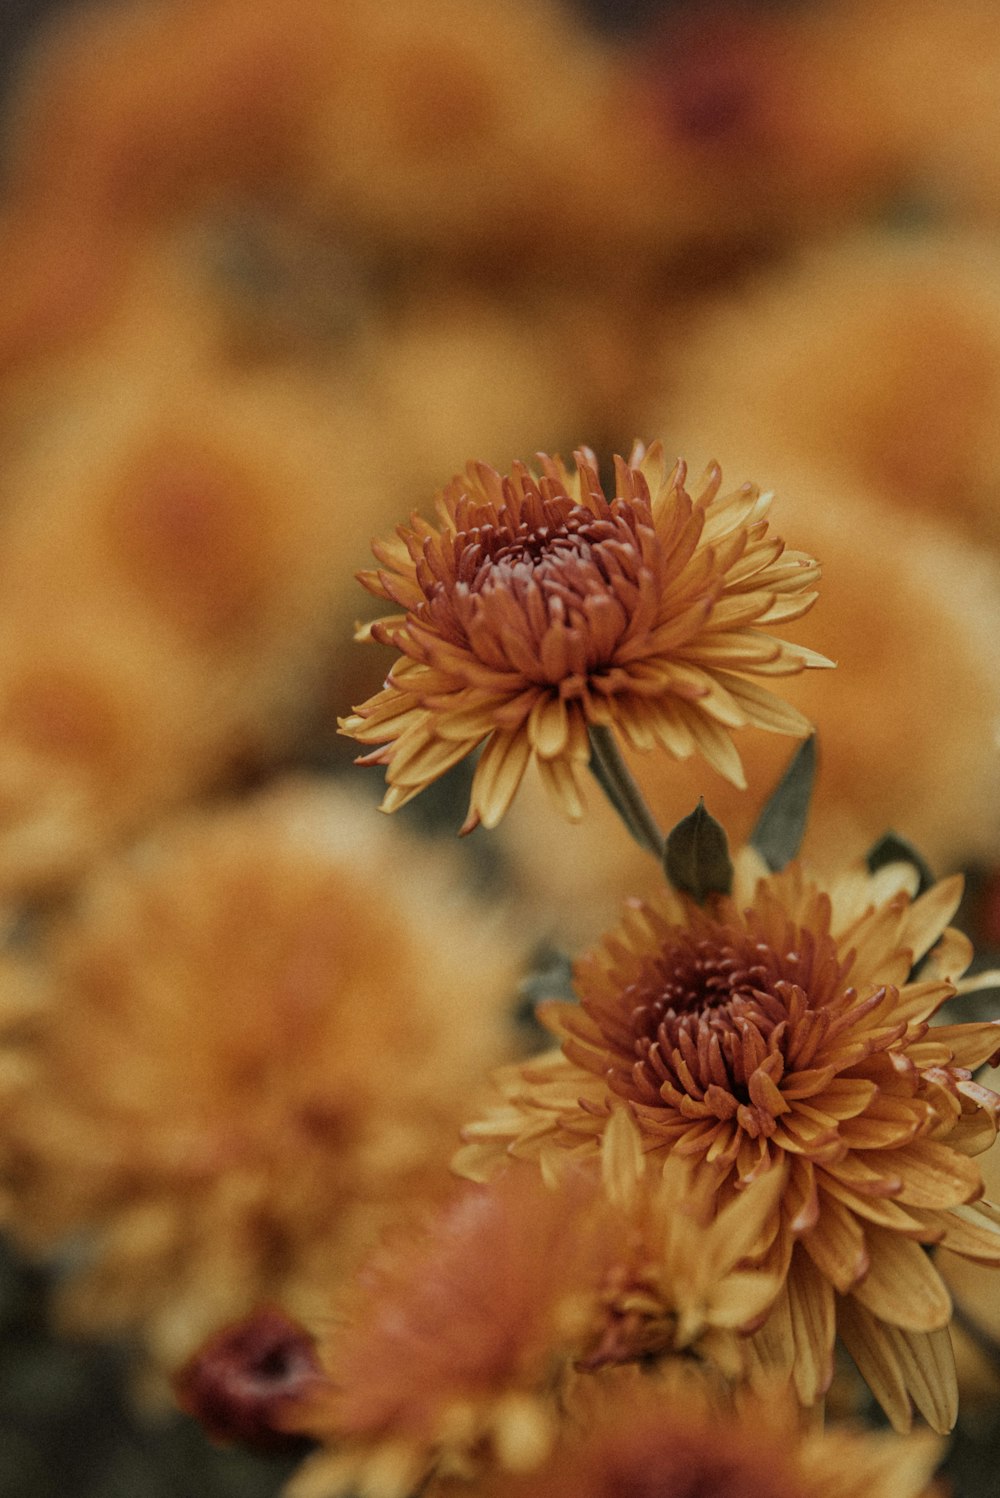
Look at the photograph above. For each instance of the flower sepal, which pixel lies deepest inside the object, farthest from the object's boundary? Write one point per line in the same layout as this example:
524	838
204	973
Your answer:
696	857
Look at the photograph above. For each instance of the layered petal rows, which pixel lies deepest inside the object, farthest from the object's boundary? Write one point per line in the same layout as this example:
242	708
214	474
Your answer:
780	1029
538	608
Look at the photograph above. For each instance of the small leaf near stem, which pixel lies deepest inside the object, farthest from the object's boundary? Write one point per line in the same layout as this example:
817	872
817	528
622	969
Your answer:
781	826
696	859
616	781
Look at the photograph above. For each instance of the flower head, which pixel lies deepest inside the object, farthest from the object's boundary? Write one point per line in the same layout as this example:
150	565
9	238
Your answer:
452	1338
248	1047
632	1436
457	1348
539	608
779	1030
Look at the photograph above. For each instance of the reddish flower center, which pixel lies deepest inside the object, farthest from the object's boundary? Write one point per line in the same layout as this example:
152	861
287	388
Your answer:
718	1016
574	550
659	1459
704	1473
512	579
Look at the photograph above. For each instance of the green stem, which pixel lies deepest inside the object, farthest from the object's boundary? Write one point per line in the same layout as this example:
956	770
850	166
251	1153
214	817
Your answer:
616	781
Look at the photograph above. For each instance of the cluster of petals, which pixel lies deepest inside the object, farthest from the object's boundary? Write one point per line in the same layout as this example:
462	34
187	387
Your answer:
193	1064
679	1432
538	609
456	1350
783	1031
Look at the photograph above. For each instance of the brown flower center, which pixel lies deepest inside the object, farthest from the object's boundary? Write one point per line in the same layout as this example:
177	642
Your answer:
517	577
573	550
718	1015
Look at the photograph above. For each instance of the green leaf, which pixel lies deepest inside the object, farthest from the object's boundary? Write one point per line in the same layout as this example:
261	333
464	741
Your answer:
696	858
895	849
782	824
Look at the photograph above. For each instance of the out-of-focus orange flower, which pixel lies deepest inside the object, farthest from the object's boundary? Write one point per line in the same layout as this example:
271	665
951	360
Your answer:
952	162
779	1030
175	587
821	367
539	609
396	125
248	1045
630	1435
454	1338
457	1348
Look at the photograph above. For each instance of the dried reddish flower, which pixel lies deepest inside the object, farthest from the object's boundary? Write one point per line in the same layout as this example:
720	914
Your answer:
779	1031
245	1376
539	609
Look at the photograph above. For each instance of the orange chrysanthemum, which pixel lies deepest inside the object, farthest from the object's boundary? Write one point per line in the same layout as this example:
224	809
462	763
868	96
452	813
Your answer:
630	1436
778	1030
452	1339
539	609
195	1061
457	1347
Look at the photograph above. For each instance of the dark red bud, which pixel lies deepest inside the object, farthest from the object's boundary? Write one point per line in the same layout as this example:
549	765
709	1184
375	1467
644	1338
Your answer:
243	1382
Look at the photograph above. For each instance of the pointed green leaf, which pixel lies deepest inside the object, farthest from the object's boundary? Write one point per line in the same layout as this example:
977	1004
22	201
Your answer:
696	859
782	824
895	849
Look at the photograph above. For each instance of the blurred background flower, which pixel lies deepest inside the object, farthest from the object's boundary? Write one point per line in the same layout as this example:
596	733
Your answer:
272	273
244	1049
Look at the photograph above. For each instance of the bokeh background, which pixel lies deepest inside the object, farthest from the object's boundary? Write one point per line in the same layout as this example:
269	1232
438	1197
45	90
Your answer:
258	302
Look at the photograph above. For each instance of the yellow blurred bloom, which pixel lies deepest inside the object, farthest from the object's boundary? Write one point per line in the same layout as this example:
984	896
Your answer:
458	1347
539	608
632	1435
778	1031
251	1044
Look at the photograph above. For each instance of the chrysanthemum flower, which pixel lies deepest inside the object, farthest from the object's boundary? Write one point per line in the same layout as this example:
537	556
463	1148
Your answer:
246	1048
631	1435
779	1030
452	1338
538	609
456	1349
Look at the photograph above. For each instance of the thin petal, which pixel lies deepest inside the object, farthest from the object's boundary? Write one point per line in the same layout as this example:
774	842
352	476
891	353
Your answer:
902	1286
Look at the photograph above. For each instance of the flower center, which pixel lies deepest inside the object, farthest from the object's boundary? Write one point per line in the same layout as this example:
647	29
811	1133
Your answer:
547	547
566	558
715	1016
695	976
557	568
705	1013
